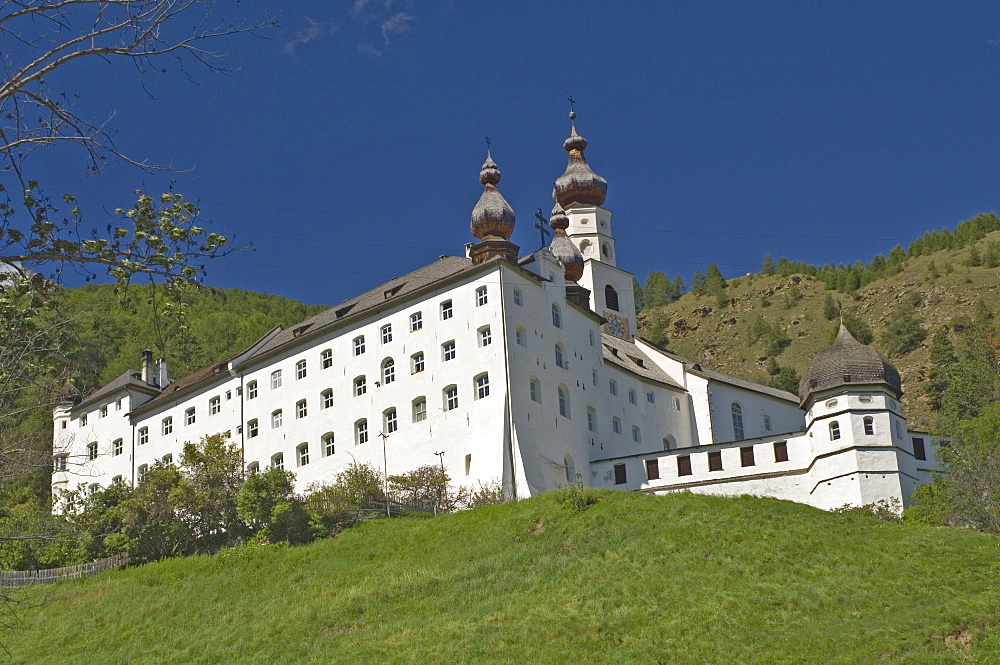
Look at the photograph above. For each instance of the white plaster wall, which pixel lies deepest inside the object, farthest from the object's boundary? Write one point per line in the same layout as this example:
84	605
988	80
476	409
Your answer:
785	416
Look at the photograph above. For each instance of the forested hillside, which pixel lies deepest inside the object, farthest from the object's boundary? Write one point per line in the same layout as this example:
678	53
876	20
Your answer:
930	308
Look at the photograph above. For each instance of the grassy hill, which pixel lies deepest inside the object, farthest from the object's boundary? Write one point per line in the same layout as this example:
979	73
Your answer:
632	579
939	285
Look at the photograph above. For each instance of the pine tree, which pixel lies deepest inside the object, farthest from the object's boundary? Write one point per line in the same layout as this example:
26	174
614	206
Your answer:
698	283
943	360
714	280
769	267
831	308
638	294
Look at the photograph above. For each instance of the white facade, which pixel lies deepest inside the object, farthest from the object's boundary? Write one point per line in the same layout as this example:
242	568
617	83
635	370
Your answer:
494	371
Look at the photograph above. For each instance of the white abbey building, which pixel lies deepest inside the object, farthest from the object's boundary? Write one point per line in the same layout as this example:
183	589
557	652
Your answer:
523	369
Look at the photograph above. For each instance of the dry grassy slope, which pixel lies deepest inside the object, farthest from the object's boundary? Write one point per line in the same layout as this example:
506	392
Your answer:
695	327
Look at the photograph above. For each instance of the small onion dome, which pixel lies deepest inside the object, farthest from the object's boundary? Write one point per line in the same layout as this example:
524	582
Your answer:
848	362
578	185
558	219
567	253
492	217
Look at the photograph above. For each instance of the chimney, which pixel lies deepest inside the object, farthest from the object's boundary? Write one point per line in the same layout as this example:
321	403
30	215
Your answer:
161	373
147	367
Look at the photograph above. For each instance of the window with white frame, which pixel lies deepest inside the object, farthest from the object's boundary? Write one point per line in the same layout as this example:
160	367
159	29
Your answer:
275	379
388	371
189	416
591	419
167	425
301	411
481	298
92	450
416	321
482	386
616	425
300	369
359	345
869	423
563	393
60	462
83	420
302	454
103	411
517	298
389	421
446	310
252	429
328	445
361	432
650	397
417	362
327	398
117	447
252	390
168	459
556	316
612	386
520	337
278	461
560	356
737	413
143	468
485	337
448	350
834	430
633	399
419	409
360	386
143	436
636	434
276	419
535	390
253	467
386	332
214	405
326	359
677	403
450	398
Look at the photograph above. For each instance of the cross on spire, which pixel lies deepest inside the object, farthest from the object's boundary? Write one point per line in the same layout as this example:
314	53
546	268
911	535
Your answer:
542	225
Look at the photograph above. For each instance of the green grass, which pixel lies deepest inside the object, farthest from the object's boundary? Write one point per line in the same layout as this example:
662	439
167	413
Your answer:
631	579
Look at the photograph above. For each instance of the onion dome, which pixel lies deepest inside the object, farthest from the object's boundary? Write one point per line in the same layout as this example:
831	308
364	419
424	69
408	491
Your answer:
564	249
848	362
492	217
578	185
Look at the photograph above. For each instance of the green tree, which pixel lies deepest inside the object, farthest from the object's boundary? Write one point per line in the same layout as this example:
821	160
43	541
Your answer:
698	283
974	381
858	328
637	294
213	474
267	504
658	289
769	267
943	361
831	308
337	504
715	282
903	333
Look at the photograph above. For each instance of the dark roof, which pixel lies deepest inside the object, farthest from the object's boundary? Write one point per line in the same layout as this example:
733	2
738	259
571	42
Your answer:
628	356
124	381
848	362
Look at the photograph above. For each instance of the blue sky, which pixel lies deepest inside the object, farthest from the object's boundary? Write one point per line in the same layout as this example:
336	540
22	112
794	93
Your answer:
347	144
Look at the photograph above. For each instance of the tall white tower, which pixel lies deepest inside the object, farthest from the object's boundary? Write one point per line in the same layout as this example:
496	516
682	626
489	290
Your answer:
581	193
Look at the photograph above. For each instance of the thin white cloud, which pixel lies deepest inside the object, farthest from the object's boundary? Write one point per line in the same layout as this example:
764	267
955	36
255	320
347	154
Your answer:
993	42
396	24
311	32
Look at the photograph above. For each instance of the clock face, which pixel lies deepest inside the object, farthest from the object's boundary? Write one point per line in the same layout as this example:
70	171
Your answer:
616	325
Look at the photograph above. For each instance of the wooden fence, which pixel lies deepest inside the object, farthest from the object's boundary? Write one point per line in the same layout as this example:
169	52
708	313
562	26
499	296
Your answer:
22	578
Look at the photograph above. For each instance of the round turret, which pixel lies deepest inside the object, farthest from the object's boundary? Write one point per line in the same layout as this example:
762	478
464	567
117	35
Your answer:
492	217
848	362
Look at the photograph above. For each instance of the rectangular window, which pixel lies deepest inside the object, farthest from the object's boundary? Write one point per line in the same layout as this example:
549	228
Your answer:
118	404
167	426
520	337
482	386
386	333
328	447
360	386
117	447
189	416
92	450
302	454
60	462
593	376
620	475
746	456
677	404
419	409
613	387
252	428
448	350
715	461
780	451
650	397
652	469
214	405
103	412
326	359
535	390
83	420
616	425
359	345
390	421
485	337
416	321
517	298
446	310
327	398
300	409
276	419
918	448
481	296
278	461
300	370
636	434
361	432
143	468
143	436
684	465
417	363
275	379
168	459
591	420
252	390
632	397
450	398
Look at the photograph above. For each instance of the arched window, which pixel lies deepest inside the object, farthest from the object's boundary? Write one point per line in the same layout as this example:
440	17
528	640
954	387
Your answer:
564	401
560	356
586	247
737	421
450	398
611	298
482	386
556	316
388	371
834	430
606	250
328	445
869	425
570	469
302	454
669	443
535	390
